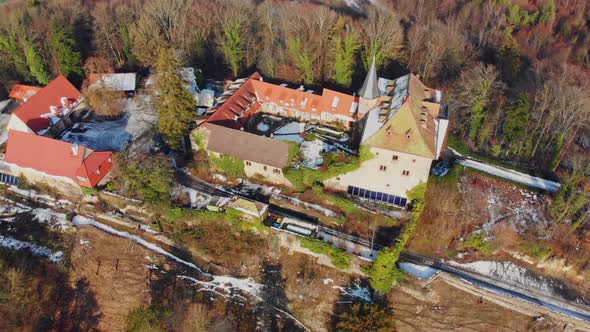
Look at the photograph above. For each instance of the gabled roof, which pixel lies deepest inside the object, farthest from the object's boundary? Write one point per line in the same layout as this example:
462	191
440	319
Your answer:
54	157
369	90
235	110
245	98
117	82
246	146
32	110
412	126
22	92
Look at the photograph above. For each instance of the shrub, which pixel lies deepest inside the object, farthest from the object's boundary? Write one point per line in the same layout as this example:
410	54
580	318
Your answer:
384	273
104	101
146	319
537	250
338	257
479	243
200	140
360	317
310	137
149	176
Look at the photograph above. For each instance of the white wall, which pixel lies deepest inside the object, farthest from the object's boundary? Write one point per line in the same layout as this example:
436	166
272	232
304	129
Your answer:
15	123
391	180
270	174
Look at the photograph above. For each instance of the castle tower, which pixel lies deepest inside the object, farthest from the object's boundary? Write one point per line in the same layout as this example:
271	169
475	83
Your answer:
369	92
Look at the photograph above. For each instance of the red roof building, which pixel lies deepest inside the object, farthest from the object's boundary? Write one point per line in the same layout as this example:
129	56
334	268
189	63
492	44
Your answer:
57	158
23	92
57	96
254	93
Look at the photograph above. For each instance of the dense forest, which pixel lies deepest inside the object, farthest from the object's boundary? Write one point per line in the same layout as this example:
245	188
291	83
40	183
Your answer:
515	73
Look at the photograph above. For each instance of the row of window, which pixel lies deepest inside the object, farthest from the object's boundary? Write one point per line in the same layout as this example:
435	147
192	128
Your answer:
396	157
274	170
377	196
383	168
8	179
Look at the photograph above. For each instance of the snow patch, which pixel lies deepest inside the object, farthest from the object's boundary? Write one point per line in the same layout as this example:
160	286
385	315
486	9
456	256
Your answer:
356	291
510	174
311	152
37	250
227	286
83	221
418	271
222	285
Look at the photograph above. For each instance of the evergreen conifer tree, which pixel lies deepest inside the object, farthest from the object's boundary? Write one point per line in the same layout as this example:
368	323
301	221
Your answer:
175	105
63	48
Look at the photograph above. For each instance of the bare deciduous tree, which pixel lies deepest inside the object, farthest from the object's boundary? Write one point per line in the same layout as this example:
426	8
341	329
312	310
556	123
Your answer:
382	36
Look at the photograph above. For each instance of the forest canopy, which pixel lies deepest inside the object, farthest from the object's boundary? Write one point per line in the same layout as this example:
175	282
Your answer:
515	73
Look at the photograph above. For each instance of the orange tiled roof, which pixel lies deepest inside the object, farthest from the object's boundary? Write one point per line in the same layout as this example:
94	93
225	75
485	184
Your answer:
248	97
20	91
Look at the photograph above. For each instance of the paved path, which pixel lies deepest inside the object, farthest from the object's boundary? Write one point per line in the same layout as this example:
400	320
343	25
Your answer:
508	174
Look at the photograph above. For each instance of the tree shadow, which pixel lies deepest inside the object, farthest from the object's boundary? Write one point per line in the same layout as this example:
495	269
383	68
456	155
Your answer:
349	297
275	297
83	314
386	235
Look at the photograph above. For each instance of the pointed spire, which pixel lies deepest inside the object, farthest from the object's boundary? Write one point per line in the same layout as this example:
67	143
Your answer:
370	89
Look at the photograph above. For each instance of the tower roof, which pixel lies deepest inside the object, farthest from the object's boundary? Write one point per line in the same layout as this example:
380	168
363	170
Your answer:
370	89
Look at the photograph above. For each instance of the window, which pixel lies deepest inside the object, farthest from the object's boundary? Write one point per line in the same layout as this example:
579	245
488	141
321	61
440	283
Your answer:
98	171
362	192
382	168
394	157
248	163
264	167
355	191
350	189
276	171
406	173
110	160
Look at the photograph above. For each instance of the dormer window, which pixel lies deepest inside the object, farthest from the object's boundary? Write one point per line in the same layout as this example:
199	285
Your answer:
409	134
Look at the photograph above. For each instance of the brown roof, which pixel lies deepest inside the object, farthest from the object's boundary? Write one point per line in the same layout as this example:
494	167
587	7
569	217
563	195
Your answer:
246	146
412	129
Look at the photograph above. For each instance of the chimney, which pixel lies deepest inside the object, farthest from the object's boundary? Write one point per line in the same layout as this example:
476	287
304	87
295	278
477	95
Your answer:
75	149
64	101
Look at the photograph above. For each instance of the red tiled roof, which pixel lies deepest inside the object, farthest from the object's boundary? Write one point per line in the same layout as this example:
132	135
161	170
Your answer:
57	158
248	97
235	110
20	91
30	112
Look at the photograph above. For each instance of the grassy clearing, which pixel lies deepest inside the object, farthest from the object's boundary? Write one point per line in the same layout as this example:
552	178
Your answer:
230	166
338	257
